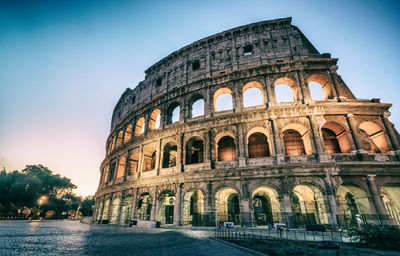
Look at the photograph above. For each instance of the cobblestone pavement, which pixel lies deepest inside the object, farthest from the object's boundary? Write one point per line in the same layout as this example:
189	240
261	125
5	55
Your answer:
73	238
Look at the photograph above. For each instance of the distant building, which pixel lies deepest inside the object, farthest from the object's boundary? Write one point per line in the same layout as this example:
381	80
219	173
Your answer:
252	125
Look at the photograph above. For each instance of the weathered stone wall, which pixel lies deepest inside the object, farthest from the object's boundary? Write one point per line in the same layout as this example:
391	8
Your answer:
280	54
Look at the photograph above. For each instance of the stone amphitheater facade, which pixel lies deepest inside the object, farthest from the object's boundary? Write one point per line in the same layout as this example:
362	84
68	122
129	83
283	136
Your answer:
332	161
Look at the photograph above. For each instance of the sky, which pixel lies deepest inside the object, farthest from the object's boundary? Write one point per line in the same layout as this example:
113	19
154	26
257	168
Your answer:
64	64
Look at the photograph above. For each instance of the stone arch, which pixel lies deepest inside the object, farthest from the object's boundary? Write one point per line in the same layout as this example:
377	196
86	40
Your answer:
265	205
225	146
296	139
149	158
374	137
227	205
255	97
165	207
354	205
195	150
126	210
193	208
133	162
335	138
258	143
119	138
128	133
308	204
139	128
155	120
324	83
196	106
390	193
115	209
170	155
121	167
228	103
285	81
106	205
173	113
144	206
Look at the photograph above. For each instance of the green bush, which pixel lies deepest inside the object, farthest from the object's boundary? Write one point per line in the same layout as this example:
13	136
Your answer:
374	236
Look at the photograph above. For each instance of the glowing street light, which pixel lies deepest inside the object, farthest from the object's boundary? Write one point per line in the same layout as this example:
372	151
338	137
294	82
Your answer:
42	200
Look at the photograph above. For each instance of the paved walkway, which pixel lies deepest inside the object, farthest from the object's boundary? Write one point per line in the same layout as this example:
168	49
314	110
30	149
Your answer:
73	238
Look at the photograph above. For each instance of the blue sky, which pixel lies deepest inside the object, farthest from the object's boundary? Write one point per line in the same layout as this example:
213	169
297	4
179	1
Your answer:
64	64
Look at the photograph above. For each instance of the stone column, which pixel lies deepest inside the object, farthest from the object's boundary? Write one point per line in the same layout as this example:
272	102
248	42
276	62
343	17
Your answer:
134	203
158	157
121	200
383	217
126	171
238	98
286	209
354	133
154	205
177	206
140	162
211	154
278	143
241	146
334	86
390	131
180	154
304	90
267	91
330	196
270	91
246	215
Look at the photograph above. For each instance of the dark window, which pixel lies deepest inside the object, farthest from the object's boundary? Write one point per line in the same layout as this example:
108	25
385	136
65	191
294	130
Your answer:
133	99
159	82
293	143
258	145
248	50
196	65
226	149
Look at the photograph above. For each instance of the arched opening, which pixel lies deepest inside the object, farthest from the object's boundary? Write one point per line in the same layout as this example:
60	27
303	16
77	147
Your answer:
253	94
144	206
105	174
374	137
112	171
193	208
149	159
354	206
173	113
170	155
105	209
121	167
308	205
119	138
99	211
155	120
265	206
227	205
128	133
294	145
112	144
133	162
139	129
320	87
195	150
335	138
316	91
226	149
330	142
126	209
223	99
196	106
166	202
114	210
258	145
391	198
285	90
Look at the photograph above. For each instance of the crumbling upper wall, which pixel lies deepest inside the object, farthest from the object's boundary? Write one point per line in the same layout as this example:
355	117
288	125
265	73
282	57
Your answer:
252	45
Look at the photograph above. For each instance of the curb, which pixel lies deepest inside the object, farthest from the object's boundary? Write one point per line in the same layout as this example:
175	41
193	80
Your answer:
253	252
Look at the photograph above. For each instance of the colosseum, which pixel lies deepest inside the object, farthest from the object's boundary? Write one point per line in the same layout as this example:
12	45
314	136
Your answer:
252	126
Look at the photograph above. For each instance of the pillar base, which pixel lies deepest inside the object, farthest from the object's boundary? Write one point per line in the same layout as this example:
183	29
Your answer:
279	159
